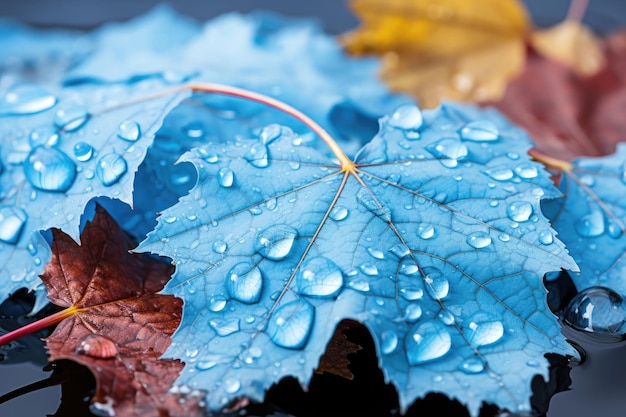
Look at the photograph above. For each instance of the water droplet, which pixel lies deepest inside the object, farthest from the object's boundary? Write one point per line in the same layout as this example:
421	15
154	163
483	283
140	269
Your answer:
473	365
339	213
366	199
359	284
193	130
614	230
257	155
376	253
224	327
526	170
270	133
449	148
291	324
205	365
219	246
276	241
12	221
436	284
43	136
400	250
244	283
231	385
406	117
49	169
480	131
83	151
26	99
546	237
388	342
425	231
71	118
483	329
427	341
217	303
369	269
225	177
500	174
411	293
504	237
597	310
446	317
97	346
129	130
519	211
319	277
478	240
591	225
110	168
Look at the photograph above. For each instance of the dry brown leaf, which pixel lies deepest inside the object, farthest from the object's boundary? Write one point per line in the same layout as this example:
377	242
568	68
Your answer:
433	49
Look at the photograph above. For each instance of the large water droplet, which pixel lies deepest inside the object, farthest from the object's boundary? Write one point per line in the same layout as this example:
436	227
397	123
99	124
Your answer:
12	221
129	130
71	118
425	231
406	117
270	133
231	385
412	312
482	329
480	131
427	341
388	342
546	237
244	283
519	211
49	169
597	310
225	177
257	155
366	199
449	148
339	213
500	173
591	225
526	170
436	284
83	151
319	277
43	136
219	246
276	241
97	346
478	240
110	168
225	327
26	99
473	365
291	324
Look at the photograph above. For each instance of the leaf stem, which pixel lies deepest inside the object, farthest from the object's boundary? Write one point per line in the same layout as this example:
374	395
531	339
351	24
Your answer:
550	161
577	10
38	325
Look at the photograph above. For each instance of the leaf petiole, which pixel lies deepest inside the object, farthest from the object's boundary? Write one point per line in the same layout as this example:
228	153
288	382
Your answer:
38	325
550	161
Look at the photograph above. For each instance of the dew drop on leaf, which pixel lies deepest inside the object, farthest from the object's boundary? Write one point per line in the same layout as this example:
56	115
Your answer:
23	99
290	325
388	342
257	155
591	225
244	283
359	284
546	237
449	148
49	169
276	241
412	312
425	231
473	365
224	327
12	221
519	211
406	117
217	303
367	200
427	341
376	253
478	240
270	133
319	277
446	317
231	385
71	118
219	246
500	173
526	170
83	151
193	130
597	310
369	269
43	136
339	213
225	177
480	131
97	346
436	285
129	130
482	329
110	168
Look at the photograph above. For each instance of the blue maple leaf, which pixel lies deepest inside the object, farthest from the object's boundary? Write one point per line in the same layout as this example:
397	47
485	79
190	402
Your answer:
433	238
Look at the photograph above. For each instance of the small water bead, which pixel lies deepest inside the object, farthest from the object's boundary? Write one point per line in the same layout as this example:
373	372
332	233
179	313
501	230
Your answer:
339	213
369	269
225	177
12	221
614	230
388	342
425	231
473	365
276	241
225	327
71	118
478	240
49	169
217	303
219	246
546	237
110	168
526	170
43	136
598	310
436	284
411	293
500	174
257	155
426	342
365	197
450	148
412	312
231	385
270	133
319	277
359	284
376	253
83	151
26	99
194	130
244	282
250	355
446	317
291	324
480	131
406	117
483	329
591	225
408	267
519	211
400	250
129	130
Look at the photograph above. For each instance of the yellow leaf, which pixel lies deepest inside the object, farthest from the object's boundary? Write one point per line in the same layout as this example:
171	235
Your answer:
465	50
572	44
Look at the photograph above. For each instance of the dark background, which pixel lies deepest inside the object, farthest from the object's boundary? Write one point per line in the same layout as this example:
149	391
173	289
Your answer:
598	386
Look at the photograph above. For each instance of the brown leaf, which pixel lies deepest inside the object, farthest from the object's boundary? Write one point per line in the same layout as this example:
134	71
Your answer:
567	115
117	325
